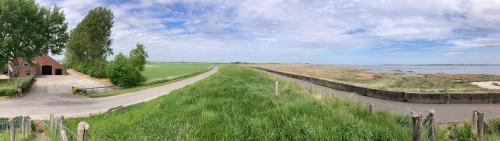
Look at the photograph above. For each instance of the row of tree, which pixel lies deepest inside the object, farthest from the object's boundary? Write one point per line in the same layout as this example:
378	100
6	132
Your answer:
28	30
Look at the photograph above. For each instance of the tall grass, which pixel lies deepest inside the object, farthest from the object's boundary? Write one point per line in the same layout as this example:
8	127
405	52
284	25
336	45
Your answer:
238	104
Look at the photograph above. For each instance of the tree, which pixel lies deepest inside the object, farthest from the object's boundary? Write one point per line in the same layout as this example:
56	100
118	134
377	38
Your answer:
28	30
122	73
90	43
138	57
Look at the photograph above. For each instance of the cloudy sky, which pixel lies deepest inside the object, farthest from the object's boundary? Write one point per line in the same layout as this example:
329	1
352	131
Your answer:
303	31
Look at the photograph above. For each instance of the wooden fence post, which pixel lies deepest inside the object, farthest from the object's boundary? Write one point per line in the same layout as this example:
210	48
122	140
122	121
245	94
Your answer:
370	107
29	125
480	124
64	137
276	89
433	126
417	127
83	131
12	128
473	126
23	120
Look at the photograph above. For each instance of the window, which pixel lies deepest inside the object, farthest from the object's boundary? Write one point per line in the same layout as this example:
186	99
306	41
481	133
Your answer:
28	74
25	64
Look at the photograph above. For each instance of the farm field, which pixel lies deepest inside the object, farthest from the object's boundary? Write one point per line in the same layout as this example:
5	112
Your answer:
425	83
160	71
238	103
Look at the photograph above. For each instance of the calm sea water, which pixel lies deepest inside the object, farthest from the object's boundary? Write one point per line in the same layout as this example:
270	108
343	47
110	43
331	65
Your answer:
493	70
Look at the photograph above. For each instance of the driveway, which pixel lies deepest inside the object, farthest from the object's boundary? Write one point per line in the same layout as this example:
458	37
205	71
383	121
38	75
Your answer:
49	96
445	113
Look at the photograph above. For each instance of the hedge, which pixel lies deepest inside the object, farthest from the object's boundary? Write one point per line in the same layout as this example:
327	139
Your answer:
25	84
8	92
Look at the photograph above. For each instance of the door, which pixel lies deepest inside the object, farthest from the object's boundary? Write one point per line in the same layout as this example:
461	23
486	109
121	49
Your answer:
46	70
58	71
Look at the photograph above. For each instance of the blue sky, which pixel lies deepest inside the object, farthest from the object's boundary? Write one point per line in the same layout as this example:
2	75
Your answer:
303	31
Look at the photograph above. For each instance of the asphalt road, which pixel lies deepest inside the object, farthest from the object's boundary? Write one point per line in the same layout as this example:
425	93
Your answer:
40	103
445	113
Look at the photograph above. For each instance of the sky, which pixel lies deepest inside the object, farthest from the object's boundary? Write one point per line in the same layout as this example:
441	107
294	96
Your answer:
302	31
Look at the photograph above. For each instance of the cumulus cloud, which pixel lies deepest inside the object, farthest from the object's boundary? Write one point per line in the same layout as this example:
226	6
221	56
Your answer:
244	29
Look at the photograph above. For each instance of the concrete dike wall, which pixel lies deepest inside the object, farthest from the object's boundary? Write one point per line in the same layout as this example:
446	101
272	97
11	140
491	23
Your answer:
427	98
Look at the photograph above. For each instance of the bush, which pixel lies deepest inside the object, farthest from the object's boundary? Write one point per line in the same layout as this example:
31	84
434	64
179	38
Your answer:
122	73
8	92
26	83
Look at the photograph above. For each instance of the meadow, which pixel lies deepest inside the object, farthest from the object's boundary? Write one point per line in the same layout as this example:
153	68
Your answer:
238	103
7	83
424	83
161	71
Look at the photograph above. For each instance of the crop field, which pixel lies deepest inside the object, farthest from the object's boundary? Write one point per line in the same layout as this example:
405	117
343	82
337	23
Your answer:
238	103
426	83
160	71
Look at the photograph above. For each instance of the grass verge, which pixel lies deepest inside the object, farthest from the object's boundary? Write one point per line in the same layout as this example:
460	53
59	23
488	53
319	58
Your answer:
238	103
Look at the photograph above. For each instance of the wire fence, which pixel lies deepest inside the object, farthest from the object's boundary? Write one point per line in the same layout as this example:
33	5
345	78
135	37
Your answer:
60	132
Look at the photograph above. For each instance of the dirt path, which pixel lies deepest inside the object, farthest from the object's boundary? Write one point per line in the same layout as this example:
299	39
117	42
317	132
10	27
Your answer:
41	104
444	112
40	131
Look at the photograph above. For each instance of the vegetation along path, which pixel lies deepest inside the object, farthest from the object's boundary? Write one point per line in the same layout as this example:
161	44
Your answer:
445	113
41	107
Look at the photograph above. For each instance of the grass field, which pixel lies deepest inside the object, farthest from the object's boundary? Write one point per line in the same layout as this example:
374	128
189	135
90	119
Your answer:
427	83
238	104
160	71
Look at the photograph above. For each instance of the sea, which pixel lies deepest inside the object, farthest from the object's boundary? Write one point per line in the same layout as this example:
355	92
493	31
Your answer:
431	69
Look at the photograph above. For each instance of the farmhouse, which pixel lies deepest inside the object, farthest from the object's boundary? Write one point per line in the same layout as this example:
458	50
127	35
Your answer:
41	65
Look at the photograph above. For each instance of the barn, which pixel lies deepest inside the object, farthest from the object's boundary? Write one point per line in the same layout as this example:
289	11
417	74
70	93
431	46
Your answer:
41	65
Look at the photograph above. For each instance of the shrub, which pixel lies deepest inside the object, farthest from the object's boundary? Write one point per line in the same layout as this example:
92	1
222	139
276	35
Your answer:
26	83
122	73
8	92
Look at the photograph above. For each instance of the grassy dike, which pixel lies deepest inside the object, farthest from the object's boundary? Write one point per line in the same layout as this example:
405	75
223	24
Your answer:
238	104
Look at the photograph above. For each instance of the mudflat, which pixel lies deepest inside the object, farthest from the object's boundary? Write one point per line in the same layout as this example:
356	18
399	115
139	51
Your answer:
422	83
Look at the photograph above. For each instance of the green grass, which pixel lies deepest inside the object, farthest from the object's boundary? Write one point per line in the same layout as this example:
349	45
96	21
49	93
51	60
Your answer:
238	104
160	71
7	83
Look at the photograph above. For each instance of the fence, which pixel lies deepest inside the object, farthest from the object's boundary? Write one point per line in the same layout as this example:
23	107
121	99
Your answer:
84	91
60	132
18	128
429	98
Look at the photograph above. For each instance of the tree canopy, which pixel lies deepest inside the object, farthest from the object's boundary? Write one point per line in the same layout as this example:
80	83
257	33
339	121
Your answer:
28	30
123	73
138	57
90	43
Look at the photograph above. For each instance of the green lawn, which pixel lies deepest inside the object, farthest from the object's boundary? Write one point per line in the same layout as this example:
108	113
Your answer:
160	71
238	104
6	83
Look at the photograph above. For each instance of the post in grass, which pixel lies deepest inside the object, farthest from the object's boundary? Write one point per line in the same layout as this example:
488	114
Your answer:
417	127
83	131
12	128
276	89
433	125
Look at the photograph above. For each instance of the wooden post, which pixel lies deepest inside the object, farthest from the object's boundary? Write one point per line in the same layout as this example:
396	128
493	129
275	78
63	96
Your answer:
370	107
473	126
12	128
64	137
480	124
83	131
417	127
276	89
23	120
29	125
433	126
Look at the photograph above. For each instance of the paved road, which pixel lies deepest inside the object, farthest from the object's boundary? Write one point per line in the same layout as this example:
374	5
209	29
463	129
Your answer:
41	105
445	113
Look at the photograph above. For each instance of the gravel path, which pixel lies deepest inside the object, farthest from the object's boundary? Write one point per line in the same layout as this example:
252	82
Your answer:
40	104
445	113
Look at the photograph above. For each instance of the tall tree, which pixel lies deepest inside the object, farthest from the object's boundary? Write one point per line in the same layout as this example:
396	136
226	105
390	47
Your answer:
90	43
28	30
138	57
